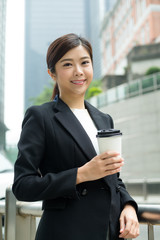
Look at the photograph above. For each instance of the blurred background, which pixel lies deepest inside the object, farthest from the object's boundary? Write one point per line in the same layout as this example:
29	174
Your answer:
125	36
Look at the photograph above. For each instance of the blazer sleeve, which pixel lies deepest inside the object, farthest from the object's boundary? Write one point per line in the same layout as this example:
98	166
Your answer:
125	196
28	184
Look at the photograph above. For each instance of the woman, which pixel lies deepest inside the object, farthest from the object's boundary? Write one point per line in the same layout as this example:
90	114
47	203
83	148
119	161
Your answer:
58	160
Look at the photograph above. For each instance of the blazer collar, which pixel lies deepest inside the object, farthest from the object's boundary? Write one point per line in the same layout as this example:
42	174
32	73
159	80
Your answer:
68	120
97	116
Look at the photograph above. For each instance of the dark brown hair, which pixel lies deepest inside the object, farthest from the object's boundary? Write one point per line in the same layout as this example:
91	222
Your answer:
60	47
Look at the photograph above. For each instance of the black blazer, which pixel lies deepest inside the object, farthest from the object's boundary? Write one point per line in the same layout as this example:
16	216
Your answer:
52	145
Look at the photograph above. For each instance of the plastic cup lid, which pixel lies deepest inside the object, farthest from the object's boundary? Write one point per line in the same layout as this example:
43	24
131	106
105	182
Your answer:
108	133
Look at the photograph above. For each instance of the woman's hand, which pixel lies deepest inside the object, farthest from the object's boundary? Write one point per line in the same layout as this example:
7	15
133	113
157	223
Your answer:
129	226
102	165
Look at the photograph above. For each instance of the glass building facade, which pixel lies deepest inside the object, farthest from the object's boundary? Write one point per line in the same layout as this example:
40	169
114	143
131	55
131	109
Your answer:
44	22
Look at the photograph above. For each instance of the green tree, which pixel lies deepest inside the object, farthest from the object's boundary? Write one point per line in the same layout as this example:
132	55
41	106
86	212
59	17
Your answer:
44	96
94	89
152	70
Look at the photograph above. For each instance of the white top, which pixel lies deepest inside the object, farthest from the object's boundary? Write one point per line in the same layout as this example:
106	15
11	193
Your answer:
88	125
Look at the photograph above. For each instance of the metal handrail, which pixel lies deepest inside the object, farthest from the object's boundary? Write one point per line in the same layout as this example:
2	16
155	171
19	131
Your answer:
149	213
144	84
20	217
28	209
2	207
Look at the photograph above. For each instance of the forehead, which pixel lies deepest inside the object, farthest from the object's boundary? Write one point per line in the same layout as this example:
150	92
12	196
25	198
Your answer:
77	52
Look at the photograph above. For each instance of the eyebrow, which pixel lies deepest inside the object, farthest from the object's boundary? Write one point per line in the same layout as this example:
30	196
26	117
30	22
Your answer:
70	59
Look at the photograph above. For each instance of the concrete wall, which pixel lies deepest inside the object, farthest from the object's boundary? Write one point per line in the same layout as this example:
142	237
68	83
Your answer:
141	58
139	120
111	81
140	67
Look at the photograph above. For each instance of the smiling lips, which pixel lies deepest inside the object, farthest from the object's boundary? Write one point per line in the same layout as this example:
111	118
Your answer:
78	82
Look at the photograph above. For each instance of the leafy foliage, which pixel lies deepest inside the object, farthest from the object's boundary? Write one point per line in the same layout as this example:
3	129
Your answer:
152	70
94	89
45	95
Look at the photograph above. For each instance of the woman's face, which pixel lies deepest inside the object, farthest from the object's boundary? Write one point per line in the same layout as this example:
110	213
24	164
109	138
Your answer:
74	73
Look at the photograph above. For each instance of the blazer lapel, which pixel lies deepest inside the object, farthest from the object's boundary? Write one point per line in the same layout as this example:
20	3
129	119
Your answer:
98	117
68	120
100	120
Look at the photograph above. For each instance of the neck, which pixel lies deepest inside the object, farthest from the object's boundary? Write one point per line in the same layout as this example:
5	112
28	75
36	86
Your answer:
77	102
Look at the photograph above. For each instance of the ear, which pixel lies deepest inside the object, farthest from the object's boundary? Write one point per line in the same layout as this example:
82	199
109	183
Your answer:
53	75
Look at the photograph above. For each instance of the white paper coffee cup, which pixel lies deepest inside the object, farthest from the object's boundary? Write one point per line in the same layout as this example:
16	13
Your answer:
109	140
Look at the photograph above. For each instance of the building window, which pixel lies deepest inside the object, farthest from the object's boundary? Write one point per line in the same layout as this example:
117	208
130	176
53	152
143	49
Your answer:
108	51
143	40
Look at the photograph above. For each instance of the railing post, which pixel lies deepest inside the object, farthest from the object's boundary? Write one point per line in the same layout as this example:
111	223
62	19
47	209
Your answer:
17	226
10	216
150	232
0	227
2	213
140	86
145	193
26	227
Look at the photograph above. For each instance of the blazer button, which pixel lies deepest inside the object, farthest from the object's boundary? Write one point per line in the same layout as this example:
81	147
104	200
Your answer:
84	192
118	189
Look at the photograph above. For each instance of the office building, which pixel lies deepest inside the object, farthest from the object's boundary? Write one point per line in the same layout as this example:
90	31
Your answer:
44	22
2	71
130	23
95	12
93	19
109	4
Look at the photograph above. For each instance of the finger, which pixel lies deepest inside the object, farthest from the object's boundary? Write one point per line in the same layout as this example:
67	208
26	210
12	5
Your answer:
113	160
124	233
108	154
134	232
131	234
111	172
122	225
113	163
128	231
114	166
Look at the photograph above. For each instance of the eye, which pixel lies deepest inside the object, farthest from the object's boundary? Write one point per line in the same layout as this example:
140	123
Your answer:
86	62
67	64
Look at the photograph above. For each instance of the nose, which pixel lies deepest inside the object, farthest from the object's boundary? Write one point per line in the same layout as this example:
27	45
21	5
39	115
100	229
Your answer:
78	71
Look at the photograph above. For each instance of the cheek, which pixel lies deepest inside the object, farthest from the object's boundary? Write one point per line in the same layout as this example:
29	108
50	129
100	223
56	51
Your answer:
65	73
61	76
90	72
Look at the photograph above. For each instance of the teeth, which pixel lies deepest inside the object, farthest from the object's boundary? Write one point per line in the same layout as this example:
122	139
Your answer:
78	81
